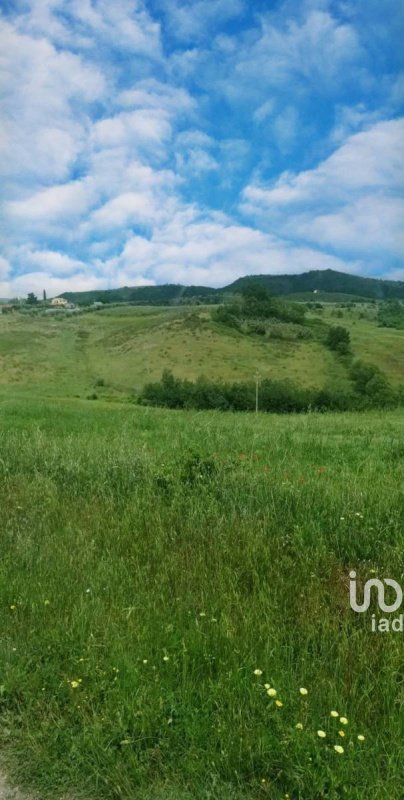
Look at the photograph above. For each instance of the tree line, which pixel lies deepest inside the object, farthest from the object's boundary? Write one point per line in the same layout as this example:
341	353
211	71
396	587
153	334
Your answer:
369	389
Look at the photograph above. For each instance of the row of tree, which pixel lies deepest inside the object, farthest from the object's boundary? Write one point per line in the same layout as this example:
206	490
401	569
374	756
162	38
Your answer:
369	389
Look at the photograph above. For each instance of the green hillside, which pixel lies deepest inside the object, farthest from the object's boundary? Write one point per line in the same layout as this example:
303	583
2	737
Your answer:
328	281
114	351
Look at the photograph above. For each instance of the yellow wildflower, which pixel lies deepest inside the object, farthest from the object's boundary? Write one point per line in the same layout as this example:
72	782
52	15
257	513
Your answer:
361	738
303	691
271	692
258	672
338	749
341	733
279	703
321	734
299	726
334	714
343	721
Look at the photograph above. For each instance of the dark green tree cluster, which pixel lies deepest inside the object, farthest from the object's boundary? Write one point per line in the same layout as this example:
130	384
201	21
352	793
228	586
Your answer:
338	339
391	314
255	307
370	389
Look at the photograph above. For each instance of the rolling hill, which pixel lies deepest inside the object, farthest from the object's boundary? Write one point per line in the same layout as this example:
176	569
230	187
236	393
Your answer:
117	349
326	281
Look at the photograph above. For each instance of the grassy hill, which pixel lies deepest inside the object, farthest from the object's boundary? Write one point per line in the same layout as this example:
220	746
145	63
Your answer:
121	348
323	282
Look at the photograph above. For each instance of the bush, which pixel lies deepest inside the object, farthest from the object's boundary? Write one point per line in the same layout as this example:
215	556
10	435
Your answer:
338	339
370	390
372	385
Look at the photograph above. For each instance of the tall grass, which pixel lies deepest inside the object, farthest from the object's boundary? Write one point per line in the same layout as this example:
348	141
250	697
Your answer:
152	561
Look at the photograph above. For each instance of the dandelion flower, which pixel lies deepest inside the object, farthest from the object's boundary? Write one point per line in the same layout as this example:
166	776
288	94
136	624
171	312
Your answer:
279	703
299	726
258	672
343	721
338	749
145	661
303	691
361	738
267	685
13	607
74	684
271	692
334	714
321	734
166	658
341	733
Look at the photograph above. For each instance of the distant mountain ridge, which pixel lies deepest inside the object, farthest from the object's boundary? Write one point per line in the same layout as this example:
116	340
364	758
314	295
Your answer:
315	281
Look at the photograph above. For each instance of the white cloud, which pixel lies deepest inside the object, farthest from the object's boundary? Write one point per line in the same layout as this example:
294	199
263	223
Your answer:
213	251
134	208
147	128
82	23
193	21
45	93
50	261
351	201
151	93
58	203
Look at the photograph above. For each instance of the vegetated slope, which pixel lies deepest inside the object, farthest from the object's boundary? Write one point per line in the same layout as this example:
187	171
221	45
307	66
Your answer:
122	348
159	568
327	281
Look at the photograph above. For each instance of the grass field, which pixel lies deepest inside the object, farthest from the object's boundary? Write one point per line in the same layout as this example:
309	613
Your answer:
152	561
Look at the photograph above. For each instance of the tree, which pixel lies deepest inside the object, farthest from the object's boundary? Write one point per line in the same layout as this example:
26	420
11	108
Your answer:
32	299
338	339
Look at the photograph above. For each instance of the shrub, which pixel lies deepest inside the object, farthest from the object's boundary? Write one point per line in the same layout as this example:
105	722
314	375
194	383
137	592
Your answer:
370	389
338	339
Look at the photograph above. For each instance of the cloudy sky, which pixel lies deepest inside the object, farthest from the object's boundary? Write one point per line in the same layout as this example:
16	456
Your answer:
194	141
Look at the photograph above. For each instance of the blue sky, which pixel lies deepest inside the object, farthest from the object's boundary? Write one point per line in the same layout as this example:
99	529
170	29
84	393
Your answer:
197	141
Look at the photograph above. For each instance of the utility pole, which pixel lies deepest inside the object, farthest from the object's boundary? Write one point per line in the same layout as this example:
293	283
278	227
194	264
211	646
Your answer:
257	380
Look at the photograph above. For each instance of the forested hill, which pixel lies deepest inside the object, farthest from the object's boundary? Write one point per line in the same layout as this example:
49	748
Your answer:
316	281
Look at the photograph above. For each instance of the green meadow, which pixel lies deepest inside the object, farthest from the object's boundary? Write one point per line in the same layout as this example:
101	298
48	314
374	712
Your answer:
171	580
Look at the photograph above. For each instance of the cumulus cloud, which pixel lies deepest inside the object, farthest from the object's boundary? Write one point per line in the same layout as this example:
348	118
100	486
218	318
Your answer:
194	20
44	107
350	201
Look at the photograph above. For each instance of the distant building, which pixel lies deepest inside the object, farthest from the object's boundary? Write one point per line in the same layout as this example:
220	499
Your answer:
59	301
